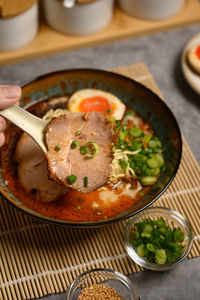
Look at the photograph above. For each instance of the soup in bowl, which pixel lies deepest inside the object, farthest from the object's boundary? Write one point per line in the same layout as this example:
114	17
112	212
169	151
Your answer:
144	151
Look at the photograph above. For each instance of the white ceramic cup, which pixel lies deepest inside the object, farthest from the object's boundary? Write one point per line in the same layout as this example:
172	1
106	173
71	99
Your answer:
81	19
151	9
20	30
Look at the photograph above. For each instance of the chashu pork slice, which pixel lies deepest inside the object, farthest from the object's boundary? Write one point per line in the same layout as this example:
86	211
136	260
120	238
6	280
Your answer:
33	172
65	137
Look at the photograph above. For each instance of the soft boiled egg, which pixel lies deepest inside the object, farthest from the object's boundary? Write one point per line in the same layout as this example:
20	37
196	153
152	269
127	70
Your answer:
193	57
96	100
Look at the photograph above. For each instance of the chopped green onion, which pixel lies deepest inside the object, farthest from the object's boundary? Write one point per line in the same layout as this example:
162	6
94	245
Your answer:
130	112
150	247
83	150
152	144
148	180
77	133
78	207
123	134
155	172
57	148
85	181
92	149
74	144
148	228
140	250
160	223
152	163
123	164
157	241
147	138
144	234
135	132
160	256
160	160
71	178
135	235
112	119
108	111
80	199
179	236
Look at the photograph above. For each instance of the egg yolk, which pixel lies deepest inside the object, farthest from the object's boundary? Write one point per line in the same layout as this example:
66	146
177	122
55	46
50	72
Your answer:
97	104
198	52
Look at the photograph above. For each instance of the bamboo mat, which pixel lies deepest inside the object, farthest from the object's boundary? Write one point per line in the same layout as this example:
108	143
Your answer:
37	259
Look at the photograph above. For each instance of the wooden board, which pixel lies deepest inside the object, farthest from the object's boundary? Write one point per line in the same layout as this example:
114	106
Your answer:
122	26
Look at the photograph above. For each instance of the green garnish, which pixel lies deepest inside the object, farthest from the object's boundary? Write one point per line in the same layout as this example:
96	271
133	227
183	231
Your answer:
78	207
135	132
83	150
93	149
123	134
147	138
152	144
80	199
72	178
85	181
179	236
108	111
156	241
57	148
74	144
112	119
77	133
130	112
123	164
161	257
90	149
148	163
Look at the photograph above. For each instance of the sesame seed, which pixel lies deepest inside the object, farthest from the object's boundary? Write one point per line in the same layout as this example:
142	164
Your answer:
99	292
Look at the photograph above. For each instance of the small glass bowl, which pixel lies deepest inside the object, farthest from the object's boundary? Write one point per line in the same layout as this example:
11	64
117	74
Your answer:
122	285
173	219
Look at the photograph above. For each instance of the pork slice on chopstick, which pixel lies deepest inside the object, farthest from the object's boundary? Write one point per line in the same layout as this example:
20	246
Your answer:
80	150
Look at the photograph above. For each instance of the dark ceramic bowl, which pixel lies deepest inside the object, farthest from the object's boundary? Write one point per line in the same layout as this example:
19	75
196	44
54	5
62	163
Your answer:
135	95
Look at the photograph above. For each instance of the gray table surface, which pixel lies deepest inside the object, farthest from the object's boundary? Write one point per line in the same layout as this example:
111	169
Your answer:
162	54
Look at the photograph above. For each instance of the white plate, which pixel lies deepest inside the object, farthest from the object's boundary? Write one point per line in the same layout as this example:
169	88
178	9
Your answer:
192	78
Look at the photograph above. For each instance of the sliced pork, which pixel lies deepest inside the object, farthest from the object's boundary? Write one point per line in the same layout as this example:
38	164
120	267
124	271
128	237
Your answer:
80	150
33	172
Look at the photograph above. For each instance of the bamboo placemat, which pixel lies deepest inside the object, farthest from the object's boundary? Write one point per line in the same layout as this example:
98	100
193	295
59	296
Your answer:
37	259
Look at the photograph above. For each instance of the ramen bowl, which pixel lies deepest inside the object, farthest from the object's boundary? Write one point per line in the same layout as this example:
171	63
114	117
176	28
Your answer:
57	87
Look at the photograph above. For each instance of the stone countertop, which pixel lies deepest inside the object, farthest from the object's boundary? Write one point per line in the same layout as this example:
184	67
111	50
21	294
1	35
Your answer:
162	54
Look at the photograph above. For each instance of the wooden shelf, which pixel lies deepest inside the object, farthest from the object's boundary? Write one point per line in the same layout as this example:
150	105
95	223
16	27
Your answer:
122	26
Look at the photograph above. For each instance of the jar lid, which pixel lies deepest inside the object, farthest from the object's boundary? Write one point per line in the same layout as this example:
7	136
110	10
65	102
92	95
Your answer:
12	8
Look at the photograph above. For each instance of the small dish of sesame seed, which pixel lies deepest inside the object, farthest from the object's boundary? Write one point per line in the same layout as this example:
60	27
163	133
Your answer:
102	284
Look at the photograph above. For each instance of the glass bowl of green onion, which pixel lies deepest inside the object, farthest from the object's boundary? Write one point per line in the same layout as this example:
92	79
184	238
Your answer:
158	238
